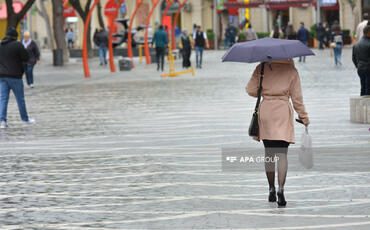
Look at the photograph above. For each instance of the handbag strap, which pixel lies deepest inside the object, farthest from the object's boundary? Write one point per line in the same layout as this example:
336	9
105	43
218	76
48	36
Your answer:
260	88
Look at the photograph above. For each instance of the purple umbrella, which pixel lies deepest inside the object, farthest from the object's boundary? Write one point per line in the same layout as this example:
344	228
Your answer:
266	50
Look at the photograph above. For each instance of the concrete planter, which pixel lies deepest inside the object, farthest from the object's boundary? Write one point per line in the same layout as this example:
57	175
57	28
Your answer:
360	109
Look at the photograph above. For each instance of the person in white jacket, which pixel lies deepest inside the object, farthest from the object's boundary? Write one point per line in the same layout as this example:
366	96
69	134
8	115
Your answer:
361	26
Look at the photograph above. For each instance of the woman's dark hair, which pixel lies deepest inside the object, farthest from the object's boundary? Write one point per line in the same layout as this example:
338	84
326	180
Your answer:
337	29
289	30
276	32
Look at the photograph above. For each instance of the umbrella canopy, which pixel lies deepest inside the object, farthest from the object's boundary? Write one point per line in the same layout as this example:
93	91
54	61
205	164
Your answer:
266	50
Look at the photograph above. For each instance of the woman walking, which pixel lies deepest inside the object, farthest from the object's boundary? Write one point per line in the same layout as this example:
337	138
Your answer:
276	129
34	53
185	46
337	44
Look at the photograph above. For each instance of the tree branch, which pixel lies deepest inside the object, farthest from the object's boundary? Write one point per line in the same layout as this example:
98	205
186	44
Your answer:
77	6
9	7
87	6
25	8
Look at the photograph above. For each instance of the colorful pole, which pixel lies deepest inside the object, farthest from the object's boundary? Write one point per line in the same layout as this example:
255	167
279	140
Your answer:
174	24
168	5
84	46
129	37
110	45
147	54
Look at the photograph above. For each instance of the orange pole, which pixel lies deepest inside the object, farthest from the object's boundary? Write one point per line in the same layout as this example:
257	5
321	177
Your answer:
169	3
84	46
129	37
174	24
147	55
110	45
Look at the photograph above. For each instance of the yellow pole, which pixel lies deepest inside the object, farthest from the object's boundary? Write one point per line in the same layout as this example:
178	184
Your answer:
246	15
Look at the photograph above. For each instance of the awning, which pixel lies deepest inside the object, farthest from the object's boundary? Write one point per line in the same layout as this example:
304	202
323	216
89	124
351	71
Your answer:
4	14
269	4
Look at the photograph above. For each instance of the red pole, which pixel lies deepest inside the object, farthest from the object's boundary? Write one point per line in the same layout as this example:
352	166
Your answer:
174	24
147	55
110	45
168	5
84	46
129	37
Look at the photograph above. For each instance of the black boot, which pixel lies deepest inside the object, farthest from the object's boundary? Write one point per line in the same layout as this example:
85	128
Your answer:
281	199
272	195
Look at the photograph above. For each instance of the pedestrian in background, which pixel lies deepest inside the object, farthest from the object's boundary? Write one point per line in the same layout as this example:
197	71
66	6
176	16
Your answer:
101	41
290	33
320	35
276	32
361	26
231	34
250	34
199	42
275	117
303	36
185	46
70	38
361	59
34	57
13	55
327	34
160	40
337	44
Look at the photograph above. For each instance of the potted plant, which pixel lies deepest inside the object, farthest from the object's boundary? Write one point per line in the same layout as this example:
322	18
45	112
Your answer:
263	34
347	37
241	37
312	38
211	38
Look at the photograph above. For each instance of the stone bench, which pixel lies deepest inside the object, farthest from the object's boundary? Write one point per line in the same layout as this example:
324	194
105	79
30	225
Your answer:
360	109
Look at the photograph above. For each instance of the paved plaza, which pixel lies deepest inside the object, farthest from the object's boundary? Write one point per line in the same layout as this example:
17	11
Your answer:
132	150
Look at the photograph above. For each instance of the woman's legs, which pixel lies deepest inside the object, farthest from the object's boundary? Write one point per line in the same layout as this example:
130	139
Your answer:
279	149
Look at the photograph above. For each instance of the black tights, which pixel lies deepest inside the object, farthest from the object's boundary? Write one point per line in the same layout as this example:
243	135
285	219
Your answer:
276	148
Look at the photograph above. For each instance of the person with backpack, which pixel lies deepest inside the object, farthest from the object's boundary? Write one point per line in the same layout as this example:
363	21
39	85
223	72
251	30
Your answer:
13	55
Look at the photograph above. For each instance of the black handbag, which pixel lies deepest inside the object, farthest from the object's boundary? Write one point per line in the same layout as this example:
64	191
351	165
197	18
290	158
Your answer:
254	126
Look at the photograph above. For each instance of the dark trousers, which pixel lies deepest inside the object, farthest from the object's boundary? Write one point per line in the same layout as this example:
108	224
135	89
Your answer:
160	57
28	69
364	75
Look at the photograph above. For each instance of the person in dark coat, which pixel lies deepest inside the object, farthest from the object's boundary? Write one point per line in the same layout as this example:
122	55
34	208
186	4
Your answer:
34	53
13	55
327	34
185	44
303	36
361	59
320	35
101	40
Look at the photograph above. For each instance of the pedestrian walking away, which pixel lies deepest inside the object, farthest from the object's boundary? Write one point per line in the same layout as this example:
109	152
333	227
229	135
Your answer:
276	128
101	40
34	57
303	36
361	26
276	80
13	55
290	33
185	46
160	40
337	44
320	35
250	33
276	32
200	41
361	59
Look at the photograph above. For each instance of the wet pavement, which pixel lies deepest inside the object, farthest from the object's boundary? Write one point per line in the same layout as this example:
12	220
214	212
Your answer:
132	150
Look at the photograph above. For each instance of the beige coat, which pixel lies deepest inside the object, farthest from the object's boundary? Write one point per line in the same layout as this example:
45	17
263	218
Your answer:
276	118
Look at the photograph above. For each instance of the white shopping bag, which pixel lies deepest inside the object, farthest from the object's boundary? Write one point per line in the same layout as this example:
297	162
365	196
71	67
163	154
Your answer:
306	153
